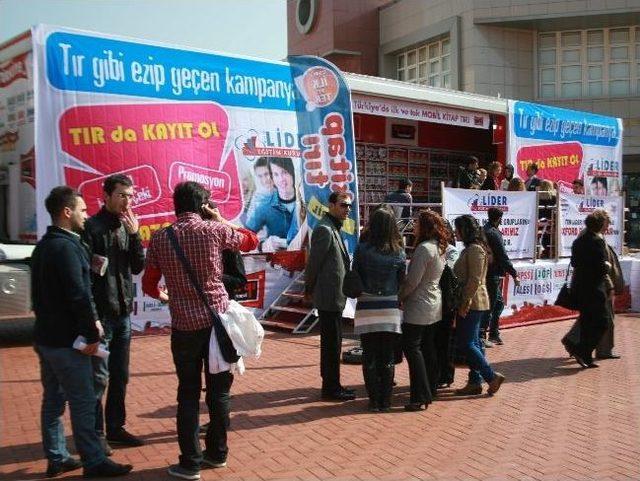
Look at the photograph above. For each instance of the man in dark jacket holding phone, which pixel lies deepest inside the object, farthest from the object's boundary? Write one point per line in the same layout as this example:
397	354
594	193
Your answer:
64	310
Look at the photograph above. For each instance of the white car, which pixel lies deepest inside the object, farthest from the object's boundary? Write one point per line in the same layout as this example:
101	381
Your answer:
16	316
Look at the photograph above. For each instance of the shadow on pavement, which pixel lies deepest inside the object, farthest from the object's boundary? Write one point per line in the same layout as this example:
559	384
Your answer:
523	370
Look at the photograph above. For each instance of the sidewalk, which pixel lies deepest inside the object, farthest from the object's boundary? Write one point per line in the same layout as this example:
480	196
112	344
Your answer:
551	420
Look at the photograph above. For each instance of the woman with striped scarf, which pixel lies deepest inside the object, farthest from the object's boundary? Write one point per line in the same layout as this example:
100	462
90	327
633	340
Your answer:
380	261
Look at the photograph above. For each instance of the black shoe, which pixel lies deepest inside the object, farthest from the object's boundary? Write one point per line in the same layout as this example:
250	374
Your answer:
209	461
373	407
69	464
415	407
107	469
178	471
580	360
124	438
592	365
496	339
105	446
340	396
608	356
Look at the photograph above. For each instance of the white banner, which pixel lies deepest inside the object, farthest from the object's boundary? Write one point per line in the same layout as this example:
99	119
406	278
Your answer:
566	145
518	221
413	111
540	283
575	208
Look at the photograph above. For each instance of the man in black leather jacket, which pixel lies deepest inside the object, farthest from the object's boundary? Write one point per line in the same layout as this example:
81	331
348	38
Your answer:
117	253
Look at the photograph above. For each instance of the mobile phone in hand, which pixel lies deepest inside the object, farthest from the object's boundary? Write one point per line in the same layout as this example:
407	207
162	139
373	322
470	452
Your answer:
206	215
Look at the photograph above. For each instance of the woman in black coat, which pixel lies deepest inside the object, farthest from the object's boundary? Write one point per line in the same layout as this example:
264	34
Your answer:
590	285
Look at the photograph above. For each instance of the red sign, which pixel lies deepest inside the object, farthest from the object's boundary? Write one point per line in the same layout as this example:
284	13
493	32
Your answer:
253	293
158	146
555	161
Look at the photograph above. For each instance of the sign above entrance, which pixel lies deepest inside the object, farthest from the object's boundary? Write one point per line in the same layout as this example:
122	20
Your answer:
364	104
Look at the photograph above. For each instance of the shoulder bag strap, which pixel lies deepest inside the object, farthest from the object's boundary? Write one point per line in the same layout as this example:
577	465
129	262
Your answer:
217	323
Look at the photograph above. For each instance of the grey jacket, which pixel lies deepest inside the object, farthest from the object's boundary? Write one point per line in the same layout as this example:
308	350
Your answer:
326	267
420	292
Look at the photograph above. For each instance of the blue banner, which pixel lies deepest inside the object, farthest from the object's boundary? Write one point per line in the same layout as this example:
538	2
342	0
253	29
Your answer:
102	65
542	122
325	128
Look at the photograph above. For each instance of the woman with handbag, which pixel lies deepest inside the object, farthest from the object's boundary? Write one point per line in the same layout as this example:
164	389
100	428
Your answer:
471	271
380	262
422	305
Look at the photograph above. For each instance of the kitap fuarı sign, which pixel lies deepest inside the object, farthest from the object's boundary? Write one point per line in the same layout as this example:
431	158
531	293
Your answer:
518	215
270	140
566	145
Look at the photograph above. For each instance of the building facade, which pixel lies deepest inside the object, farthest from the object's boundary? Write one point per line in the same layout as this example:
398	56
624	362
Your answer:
579	54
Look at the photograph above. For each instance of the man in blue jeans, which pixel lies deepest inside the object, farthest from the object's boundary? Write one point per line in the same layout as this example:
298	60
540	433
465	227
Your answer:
117	254
500	266
64	310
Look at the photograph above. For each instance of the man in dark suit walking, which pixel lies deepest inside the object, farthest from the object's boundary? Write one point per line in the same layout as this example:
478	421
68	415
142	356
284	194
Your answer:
326	267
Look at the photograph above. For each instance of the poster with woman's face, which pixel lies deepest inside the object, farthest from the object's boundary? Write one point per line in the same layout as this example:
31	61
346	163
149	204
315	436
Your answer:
271	176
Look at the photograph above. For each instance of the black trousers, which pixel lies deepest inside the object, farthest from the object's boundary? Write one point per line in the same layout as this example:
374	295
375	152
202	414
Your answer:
443	344
190	351
378	366
593	324
420	392
605	345
330	347
430	355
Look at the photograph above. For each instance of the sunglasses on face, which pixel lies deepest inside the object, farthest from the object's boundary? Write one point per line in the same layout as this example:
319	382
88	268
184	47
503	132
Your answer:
345	205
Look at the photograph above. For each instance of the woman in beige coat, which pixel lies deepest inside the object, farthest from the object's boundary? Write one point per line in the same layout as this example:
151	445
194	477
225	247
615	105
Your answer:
471	271
422	304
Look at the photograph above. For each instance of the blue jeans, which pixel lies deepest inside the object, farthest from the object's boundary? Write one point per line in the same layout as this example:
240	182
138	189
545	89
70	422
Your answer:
492	317
467	335
113	371
67	375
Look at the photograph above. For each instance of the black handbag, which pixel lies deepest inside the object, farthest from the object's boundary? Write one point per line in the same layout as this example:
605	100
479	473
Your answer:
451	290
352	284
565	297
225	344
234	276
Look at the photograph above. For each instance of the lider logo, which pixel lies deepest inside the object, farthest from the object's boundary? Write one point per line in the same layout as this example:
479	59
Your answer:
590	204
483	202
